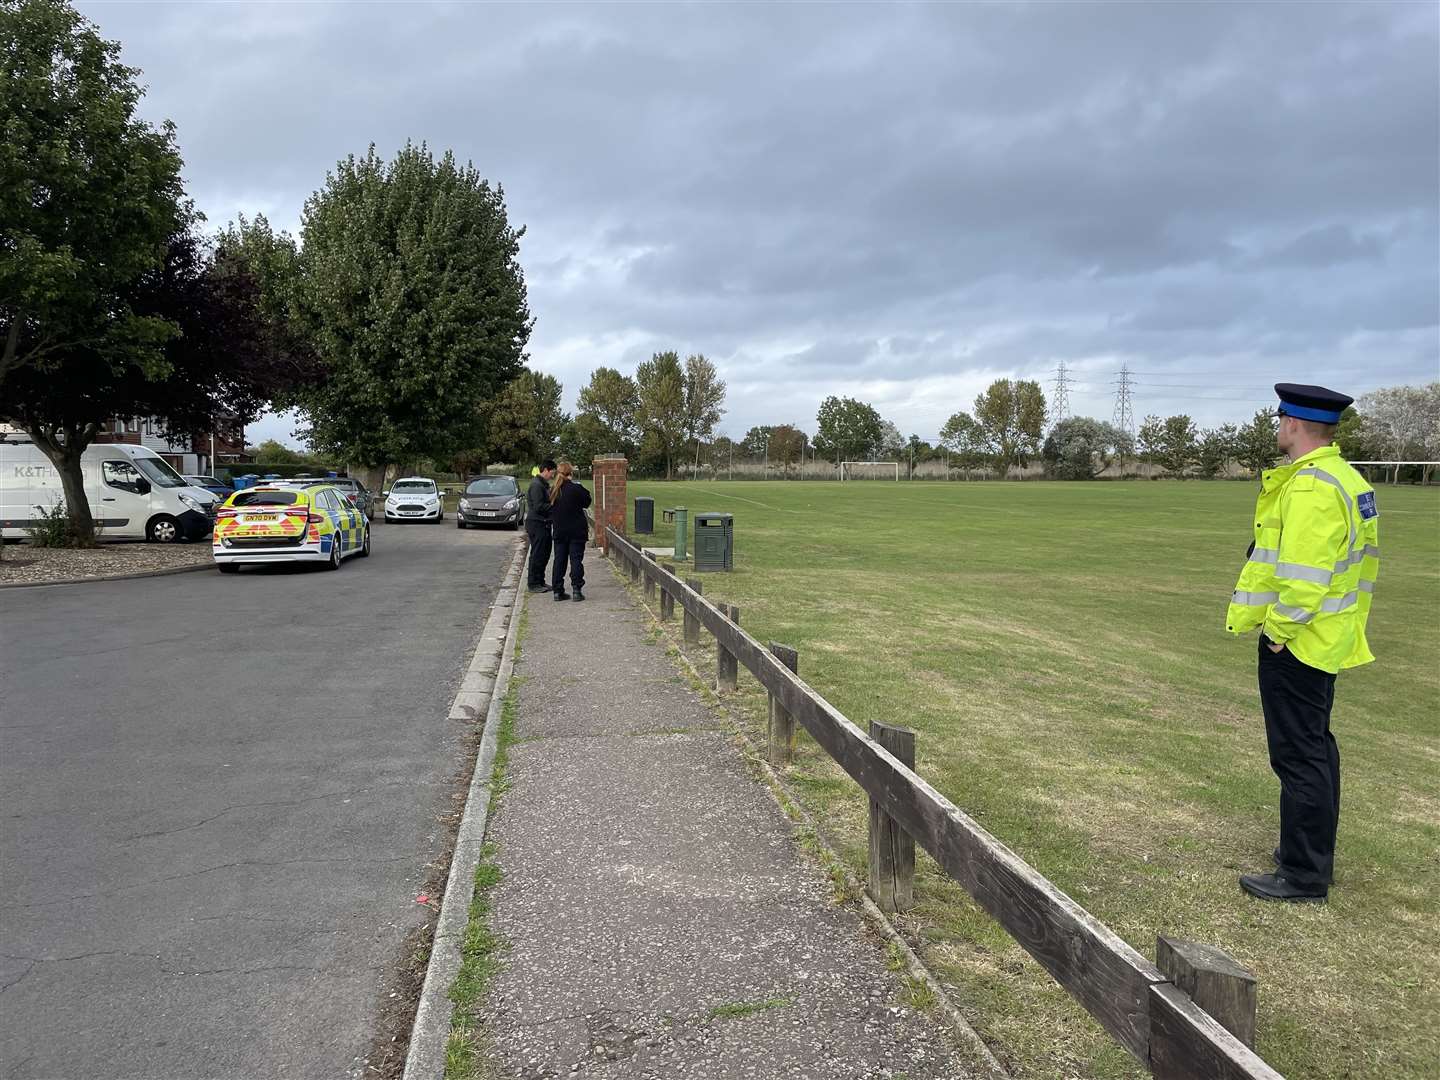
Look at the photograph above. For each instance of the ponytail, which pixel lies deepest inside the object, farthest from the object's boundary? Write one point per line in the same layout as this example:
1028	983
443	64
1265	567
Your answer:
562	473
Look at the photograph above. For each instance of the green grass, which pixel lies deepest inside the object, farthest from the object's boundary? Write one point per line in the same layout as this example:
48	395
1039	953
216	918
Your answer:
737	1009
1060	650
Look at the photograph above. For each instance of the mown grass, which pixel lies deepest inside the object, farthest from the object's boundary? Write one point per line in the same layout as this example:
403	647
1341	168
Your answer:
1060	650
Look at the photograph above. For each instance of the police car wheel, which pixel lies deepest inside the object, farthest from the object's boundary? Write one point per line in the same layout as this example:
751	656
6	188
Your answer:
365	547
334	563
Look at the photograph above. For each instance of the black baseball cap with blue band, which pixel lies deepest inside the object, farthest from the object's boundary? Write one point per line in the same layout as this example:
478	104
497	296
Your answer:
1311	402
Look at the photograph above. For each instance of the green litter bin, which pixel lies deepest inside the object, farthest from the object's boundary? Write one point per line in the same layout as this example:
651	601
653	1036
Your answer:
679	515
714	541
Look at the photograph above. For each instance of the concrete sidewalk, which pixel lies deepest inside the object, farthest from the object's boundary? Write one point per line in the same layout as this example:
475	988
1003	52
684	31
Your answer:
659	919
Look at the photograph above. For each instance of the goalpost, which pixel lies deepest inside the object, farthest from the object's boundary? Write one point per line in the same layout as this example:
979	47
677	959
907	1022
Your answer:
848	467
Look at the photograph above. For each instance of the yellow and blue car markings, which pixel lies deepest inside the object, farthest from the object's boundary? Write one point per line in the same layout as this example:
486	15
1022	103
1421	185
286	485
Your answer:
287	524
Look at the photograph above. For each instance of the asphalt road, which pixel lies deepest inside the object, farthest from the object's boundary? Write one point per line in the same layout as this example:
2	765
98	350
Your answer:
218	797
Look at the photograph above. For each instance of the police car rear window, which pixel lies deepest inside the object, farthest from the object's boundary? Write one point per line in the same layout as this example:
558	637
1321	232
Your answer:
264	498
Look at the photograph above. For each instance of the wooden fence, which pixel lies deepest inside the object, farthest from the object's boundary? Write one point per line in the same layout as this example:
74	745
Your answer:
1145	1010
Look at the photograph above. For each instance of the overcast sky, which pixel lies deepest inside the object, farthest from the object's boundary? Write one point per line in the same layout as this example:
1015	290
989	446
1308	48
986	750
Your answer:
897	203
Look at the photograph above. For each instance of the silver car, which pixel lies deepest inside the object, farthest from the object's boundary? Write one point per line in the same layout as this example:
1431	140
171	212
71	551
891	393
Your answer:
491	500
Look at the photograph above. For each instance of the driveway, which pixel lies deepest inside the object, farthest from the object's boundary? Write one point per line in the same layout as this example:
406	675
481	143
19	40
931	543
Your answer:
219	797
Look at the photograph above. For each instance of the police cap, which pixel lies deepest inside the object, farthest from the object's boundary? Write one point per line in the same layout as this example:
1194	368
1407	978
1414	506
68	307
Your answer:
1311	402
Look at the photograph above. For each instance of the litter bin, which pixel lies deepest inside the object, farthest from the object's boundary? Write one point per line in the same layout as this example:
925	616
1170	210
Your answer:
714	541
644	515
680	516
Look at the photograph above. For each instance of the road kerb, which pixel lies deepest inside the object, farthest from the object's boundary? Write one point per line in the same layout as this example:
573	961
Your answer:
425	1059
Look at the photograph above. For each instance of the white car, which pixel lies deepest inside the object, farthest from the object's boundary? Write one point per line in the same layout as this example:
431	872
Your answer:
414	498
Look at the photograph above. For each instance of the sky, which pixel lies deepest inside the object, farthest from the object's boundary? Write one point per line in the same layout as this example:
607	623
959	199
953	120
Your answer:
898	203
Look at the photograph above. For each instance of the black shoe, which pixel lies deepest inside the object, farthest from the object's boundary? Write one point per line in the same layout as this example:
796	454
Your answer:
542	587
561	594
1275	856
1279	887
579	595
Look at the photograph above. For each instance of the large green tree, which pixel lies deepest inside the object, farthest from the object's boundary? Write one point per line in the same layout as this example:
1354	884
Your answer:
409	284
756	440
661	384
1078	448
704	401
1255	448
787	446
609	405
90	201
1011	415
847	430
523	423
965	442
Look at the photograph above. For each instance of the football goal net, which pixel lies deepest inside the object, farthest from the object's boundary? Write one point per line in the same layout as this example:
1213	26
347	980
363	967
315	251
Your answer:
869	470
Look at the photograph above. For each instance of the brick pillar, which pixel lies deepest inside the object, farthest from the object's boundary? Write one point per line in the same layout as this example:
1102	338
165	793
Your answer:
607	485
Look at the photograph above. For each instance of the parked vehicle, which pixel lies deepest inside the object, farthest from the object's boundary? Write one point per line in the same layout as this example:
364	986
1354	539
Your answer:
414	498
357	493
289	523
133	493
219	488
491	500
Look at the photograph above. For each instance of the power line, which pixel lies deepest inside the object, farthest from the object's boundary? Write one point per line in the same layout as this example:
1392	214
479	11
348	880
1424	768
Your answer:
1060	402
1124	417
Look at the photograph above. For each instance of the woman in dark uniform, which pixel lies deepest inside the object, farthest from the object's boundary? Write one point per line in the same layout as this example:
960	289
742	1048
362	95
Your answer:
568	501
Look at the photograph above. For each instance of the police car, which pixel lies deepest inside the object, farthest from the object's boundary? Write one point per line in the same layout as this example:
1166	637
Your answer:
276	522
414	498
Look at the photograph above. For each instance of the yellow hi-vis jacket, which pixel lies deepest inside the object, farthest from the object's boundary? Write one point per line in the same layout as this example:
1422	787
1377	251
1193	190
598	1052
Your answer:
1312	572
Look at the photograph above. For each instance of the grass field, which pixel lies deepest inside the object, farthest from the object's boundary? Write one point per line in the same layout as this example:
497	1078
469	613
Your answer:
1060	650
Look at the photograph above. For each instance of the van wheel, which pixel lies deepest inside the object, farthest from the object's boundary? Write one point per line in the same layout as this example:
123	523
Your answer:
163	529
228	567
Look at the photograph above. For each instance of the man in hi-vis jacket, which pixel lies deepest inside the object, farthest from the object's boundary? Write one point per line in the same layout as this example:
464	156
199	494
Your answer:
1307	586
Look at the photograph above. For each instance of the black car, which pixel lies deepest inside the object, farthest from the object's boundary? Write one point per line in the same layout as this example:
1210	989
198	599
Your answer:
491	500
355	490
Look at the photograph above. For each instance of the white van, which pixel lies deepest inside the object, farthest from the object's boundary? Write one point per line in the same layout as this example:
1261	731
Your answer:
134	494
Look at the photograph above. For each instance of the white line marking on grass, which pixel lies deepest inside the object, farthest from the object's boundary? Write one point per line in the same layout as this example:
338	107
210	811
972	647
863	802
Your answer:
756	502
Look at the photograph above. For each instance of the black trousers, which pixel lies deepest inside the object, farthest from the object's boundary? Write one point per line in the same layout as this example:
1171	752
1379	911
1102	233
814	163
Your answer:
1297	699
539	533
573	552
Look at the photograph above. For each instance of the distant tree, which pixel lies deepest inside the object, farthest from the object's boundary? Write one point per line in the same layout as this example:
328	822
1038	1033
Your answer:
274	452
704	401
964	440
756	440
848	430
1216	449
1150	440
1255	448
892	443
1011	416
1354	437
1079	448
1177	444
612	401
409	283
661	383
586	437
1403	422
787	446
523	423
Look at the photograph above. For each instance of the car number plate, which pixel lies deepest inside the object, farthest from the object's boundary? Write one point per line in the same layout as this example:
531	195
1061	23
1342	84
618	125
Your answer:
246	519
486	513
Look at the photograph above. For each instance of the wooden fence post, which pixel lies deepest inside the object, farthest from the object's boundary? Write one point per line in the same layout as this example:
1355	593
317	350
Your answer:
692	624
727	668
634	570
649	581
1214	981
892	850
782	724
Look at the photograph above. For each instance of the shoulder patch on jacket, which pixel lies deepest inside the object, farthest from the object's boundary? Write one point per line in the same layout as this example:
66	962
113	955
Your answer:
1366	503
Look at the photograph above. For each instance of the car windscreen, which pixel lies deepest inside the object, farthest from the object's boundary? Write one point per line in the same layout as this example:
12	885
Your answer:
264	498
491	485
160	474
414	485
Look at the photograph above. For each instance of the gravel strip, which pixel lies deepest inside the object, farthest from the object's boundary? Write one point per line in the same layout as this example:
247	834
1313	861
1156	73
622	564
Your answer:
23	564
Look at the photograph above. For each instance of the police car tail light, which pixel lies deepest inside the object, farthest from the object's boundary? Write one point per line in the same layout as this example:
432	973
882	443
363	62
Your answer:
315	518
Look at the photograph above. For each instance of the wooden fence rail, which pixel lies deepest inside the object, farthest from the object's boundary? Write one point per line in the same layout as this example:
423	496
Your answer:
1145	1012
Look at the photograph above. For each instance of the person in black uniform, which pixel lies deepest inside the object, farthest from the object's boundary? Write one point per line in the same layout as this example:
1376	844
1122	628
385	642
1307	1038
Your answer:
568	501
537	524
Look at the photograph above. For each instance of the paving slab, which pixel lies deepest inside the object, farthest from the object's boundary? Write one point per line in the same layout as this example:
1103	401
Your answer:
659	917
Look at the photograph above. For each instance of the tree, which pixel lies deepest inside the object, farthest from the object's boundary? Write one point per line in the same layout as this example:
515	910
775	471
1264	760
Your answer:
1011	415
409	284
661	382
1078	448
612	401
1150	440
756	440
850	430
523	423
963	438
787	446
1216	449
90	196
1177	444
585	438
704	401
274	452
1403	422
1255	449
892	443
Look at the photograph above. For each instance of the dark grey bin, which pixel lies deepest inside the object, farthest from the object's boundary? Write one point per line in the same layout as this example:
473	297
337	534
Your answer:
714	541
644	514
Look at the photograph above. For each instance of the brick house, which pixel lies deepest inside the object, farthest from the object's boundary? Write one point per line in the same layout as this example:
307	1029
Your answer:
198	455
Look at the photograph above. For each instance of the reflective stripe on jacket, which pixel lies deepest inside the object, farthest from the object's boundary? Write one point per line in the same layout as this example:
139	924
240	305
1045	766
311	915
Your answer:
1311	574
